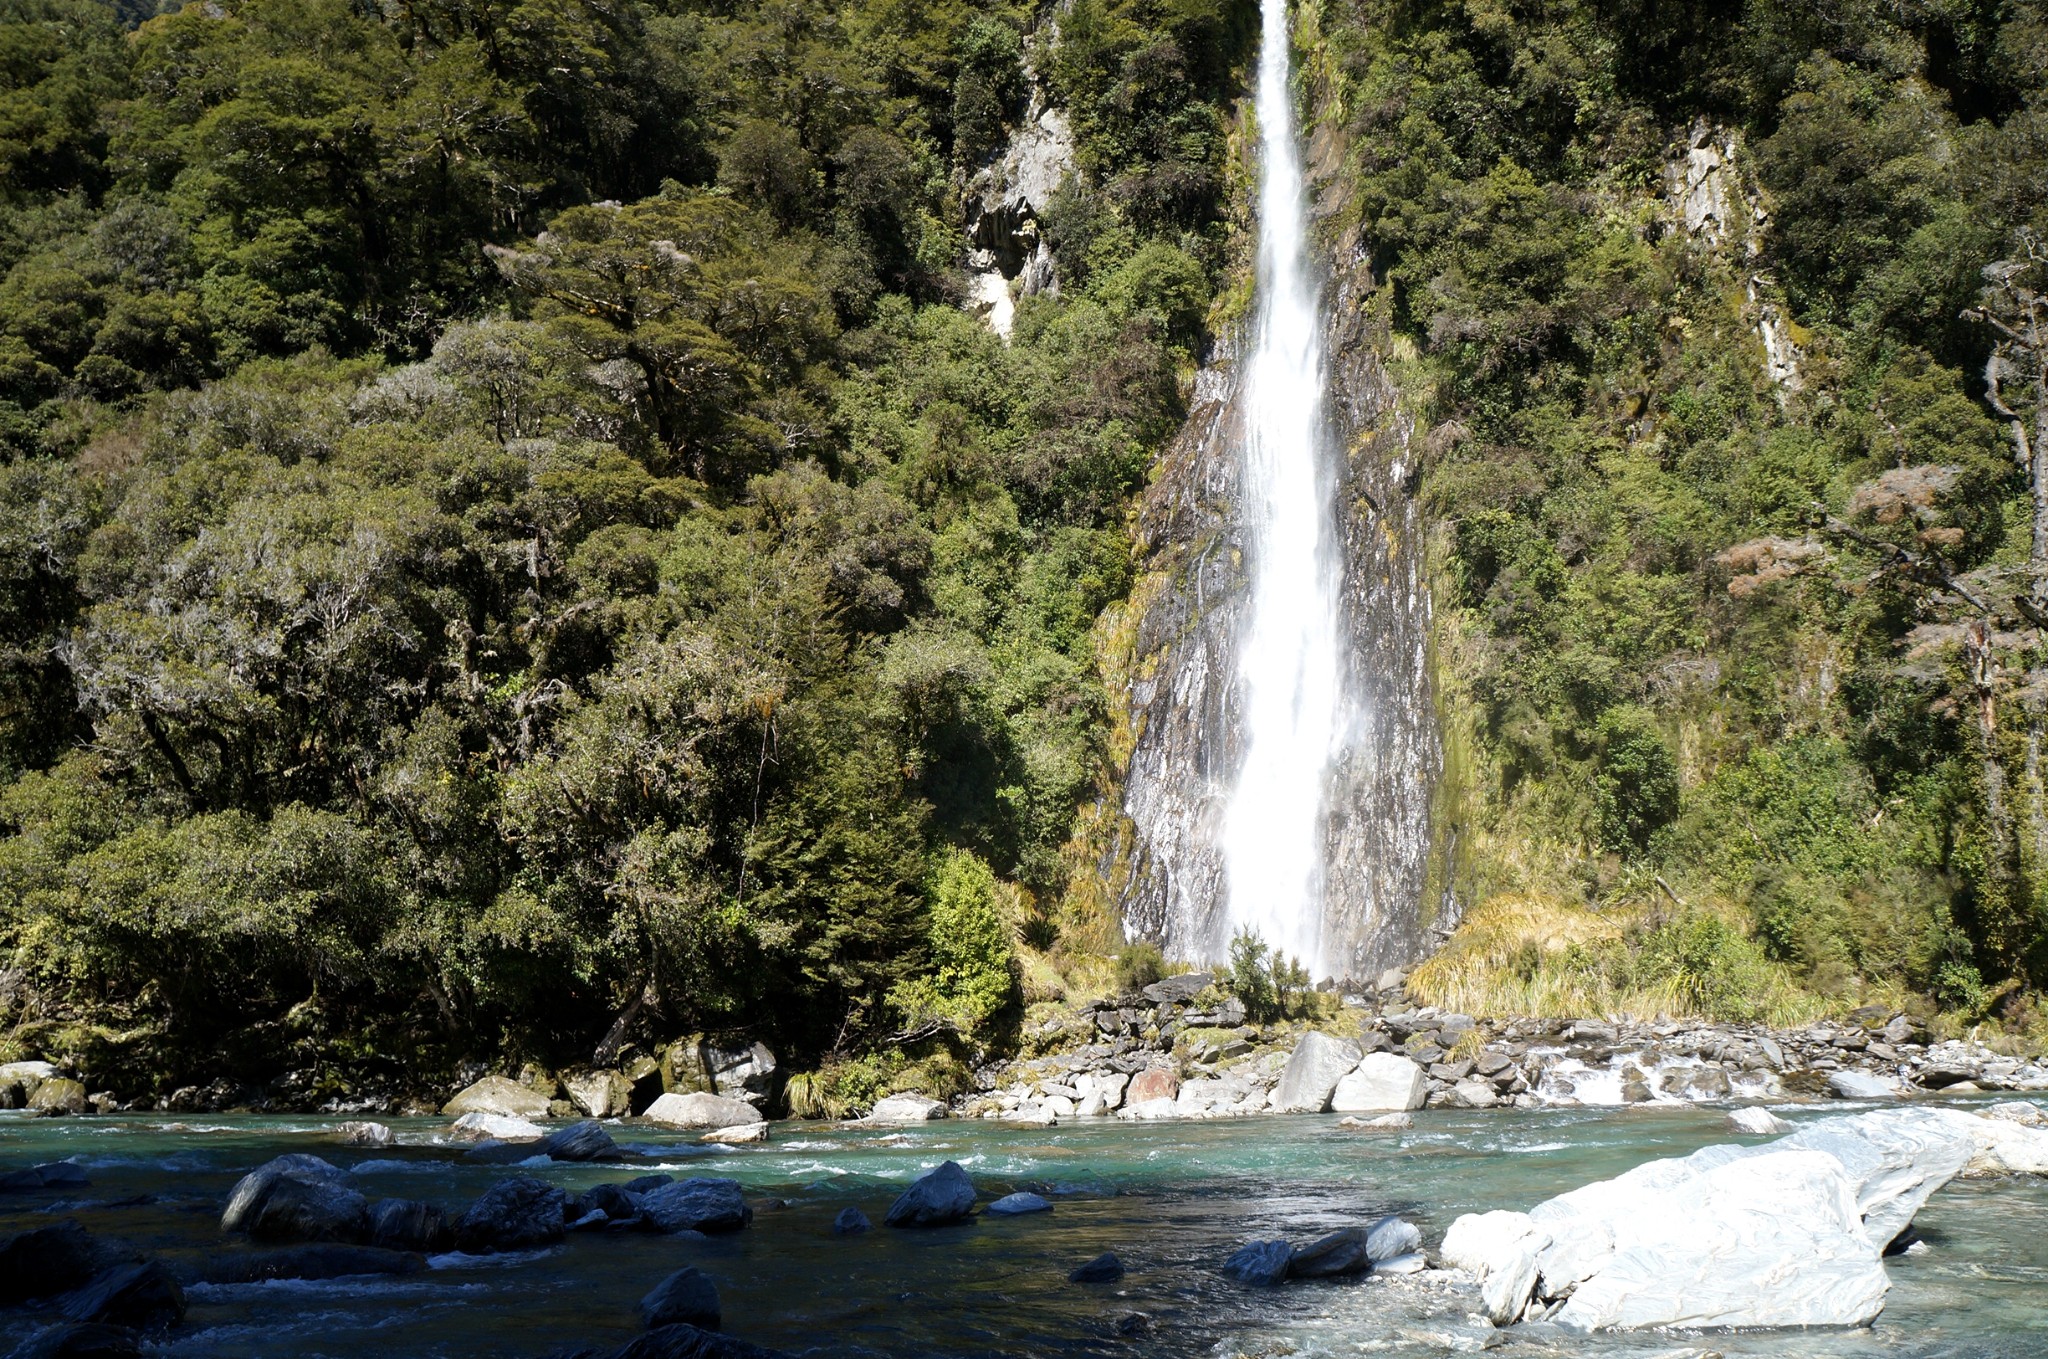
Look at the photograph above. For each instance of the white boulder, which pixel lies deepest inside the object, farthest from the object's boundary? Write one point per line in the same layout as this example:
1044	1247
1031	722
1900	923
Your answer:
1756	1122
1382	1082
1312	1073
906	1109
699	1110
498	1095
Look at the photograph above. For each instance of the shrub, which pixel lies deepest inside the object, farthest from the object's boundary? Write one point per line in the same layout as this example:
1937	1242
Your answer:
1637	785
1138	966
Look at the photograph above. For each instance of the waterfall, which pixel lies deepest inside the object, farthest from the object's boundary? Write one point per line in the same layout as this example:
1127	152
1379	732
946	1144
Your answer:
1290	663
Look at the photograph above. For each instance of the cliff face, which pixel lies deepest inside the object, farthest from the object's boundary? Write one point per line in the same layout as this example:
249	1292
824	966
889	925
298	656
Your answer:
1164	864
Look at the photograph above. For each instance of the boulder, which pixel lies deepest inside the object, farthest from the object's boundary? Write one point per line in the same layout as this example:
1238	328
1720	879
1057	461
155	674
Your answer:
699	1204
80	1340
937	1198
1411	1263
1862	1085
1178	990
741	1071
1318	1063
49	1175
1339	1253
1153	1083
585	1141
1471	1094
1756	1122
737	1136
1104	1268
498	1095
45	1262
1149	1109
142	1295
700	1110
601	1094
409	1225
513	1214
309	1209
57	1095
604	1204
1391	1237
1015	1205
1262	1264
1383	1123
247	1199
850	1222
1380	1081
481	1127
310	1262
687	1296
363	1134
683	1341
909	1108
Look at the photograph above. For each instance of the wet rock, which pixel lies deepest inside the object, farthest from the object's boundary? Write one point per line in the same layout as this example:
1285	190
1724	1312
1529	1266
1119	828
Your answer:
690	1342
908	1108
311	1262
939	1197
698	1204
1754	1122
246	1199
497	1128
1339	1253
142	1295
1016	1205
600	1094
1380	1081
363	1134
57	1095
498	1095
611	1202
1318	1063
513	1214
687	1296
296	1208
49	1175
1178	990
1862	1085
700	1110
1262	1264
80	1340
1104	1268
409	1225
585	1141
496	1153
742	1135
850	1222
47	1261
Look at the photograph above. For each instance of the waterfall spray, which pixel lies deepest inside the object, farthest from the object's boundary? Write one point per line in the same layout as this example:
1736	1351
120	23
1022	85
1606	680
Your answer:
1273	834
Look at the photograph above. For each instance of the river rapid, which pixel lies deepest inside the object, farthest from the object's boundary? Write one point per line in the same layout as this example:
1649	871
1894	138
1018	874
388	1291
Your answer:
1172	1199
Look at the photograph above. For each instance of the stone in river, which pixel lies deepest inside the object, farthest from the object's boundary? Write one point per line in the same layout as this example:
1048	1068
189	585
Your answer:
310	1262
245	1200
942	1196
1104	1268
683	1341
1260	1263
497	1128
1862	1085
49	1175
905	1109
498	1095
513	1214
1756	1122
363	1134
700	1111
698	1204
739	1136
1383	1123
409	1225
1154	1082
850	1222
144	1296
1318	1063
585	1141
1012	1205
1380	1081
686	1296
1337	1254
81	1340
47	1261
1392	1236
308	1209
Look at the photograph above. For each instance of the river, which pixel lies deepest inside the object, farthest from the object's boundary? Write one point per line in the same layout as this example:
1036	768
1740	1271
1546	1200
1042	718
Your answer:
1172	1199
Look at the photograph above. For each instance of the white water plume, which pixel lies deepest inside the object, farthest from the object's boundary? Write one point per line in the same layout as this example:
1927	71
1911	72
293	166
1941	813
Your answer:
1289	656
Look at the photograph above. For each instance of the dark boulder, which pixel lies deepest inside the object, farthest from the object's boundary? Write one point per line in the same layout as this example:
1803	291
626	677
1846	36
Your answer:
513	1214
691	1342
45	1262
1260	1263
850	1222
1337	1254
644	1183
141	1295
937	1198
409	1225
613	1202
80	1340
687	1296
310	1210
585	1141
310	1262
50	1175
245	1200
697	1205
1104	1268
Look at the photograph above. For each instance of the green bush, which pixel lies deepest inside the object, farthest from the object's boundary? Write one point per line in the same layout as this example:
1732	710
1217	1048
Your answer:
1138	965
1636	789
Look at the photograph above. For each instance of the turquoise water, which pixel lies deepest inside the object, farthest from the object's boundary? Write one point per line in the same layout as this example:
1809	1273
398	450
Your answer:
1173	1199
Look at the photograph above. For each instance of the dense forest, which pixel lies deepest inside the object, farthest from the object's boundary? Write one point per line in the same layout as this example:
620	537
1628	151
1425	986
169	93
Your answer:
511	543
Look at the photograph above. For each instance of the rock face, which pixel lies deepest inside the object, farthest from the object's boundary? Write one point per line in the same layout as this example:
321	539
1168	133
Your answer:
905	1109
936	1199
699	1204
687	1296
1381	1082
498	1095
700	1111
514	1214
1789	1233
743	1071
1312	1073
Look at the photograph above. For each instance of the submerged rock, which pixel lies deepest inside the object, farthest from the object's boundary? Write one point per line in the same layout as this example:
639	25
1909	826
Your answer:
142	1295
49	1175
690	1342
1318	1064
311	1262
514	1214
697	1205
1383	1123
1262	1264
498	1095
850	1222
80	1340
687	1296
1015	1205
47	1261
942	1196
1104	1268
